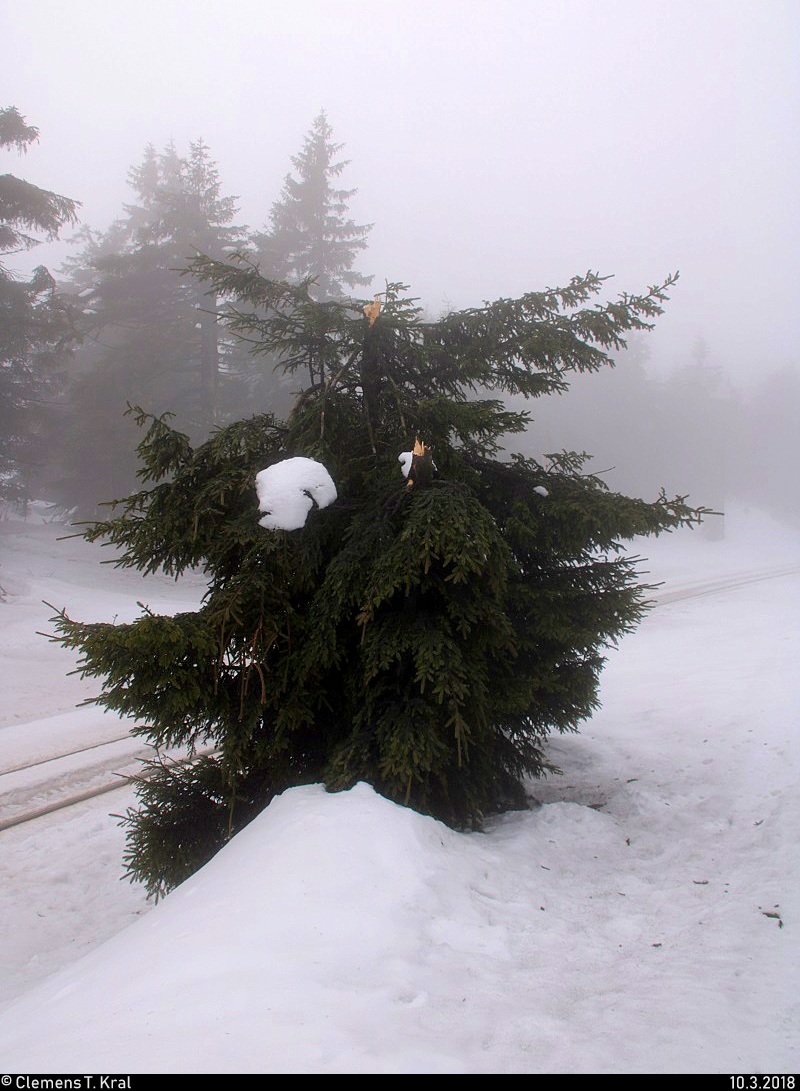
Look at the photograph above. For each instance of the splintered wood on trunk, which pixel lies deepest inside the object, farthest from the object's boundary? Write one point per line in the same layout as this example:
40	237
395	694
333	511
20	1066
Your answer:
422	470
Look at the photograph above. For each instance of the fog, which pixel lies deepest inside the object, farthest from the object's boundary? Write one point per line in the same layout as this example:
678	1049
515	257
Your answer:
496	147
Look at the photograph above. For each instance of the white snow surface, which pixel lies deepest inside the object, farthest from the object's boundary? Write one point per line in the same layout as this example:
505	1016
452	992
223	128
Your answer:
288	490
619	925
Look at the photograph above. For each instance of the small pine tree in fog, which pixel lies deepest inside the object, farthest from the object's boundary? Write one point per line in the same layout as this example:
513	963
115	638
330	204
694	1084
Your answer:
425	638
310	236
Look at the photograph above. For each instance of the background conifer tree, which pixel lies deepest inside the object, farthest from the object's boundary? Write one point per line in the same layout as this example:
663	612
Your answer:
151	335
36	327
310	235
425	639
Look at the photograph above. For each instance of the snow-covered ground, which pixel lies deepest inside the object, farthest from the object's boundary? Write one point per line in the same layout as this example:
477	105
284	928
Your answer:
643	918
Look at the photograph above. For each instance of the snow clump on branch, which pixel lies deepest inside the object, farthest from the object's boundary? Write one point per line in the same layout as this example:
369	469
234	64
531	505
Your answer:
288	490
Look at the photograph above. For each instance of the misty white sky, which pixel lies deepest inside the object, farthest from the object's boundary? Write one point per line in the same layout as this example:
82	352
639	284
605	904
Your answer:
497	145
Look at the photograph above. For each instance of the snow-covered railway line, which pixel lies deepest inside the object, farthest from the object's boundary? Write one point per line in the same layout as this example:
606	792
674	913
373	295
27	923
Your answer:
724	583
25	795
40	787
66	754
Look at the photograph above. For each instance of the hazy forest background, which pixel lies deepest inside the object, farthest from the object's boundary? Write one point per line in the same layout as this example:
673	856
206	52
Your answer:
120	322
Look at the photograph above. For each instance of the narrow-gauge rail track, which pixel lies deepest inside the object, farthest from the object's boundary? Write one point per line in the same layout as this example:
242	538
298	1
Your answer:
66	754
30	802
31	808
724	583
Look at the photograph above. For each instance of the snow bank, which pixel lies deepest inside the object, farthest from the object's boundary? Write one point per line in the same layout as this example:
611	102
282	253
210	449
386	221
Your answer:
293	949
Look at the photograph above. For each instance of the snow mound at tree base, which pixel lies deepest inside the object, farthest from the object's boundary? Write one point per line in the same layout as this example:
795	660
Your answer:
305	931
